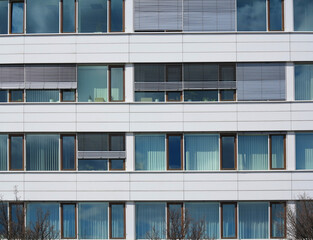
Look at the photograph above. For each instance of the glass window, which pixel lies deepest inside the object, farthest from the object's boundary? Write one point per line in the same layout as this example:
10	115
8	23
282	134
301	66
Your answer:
200	96
229	224
68	152
201	152
150	152
149	73
92	165
150	216
4	212
17	17
16	152
276	13
93	142
42	95
116	16
200	72
303	17
117	218
68	16
228	152
227	72
92	83
42	16
277	151
251	15
173	96
253	220
227	95
117	142
304	81
93	220
278	216
3	16
209	213
16	96
117	84
92	16
253	152
117	164
42	152
3	95
174	219
3	152
174	152
304	151
16	216
68	220
68	96
174	73
149	96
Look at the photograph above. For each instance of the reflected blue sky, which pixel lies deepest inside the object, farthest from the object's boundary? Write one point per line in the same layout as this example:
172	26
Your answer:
251	15
3	17
303	15
275	15
17	17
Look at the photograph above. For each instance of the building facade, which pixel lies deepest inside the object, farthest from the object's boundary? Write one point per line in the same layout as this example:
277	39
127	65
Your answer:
114	112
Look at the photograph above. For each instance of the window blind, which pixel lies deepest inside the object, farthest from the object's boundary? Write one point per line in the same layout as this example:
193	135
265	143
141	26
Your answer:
260	81
11	76
158	15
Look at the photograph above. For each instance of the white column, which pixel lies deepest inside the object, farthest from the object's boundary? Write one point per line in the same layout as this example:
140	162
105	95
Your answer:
290	82
130	153
129	83
129	16
288	9
291	151
130	220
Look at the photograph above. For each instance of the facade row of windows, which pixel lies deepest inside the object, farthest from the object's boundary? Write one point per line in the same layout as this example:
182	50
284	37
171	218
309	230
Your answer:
153	152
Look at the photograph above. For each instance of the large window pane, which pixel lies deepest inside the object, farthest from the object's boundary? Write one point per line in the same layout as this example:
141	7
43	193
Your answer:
92	84
304	81
92	165
3	152
93	142
209	212
227	72
42	16
117	84
174	149
3	95
253	220
117	221
150	152
200	72
17	17
69	221
149	96
68	152
304	151
116	14
276	15
117	143
42	95
303	15
201	152
174	73
42	152
278	220
93	220
277	151
68	16
16	152
229	220
253	152
228	152
149	73
251	15
200	96
150	216
92	16
3	16
16	96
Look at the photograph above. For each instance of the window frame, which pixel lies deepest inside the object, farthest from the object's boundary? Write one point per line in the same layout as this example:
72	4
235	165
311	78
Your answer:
285	219
109	82
10	15
221	95
61	95
236	219
182	207
23	152
110	165
181	151
23	95
10	213
110	20
180	100
61	18
235	151
61	219
110	219
282	17
61	151
270	151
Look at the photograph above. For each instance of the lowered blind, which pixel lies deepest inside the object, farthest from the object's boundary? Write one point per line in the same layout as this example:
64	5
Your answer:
209	15
11	76
158	15
261	81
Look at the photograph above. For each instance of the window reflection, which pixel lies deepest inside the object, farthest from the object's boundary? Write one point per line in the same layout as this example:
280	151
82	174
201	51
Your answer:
276	15
251	15
3	17
68	15
17	21
116	14
303	15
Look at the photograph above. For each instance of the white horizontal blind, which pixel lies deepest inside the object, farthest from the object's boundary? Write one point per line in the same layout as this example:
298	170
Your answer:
209	15
261	81
158	15
11	76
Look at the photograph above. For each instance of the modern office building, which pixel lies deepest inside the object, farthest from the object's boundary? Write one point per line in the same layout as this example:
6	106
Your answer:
114	112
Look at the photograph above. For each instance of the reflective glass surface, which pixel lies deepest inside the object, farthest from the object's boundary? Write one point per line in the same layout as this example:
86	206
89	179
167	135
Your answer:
227	95
93	142
68	152
174	152
3	95
174	73
278	220
17	22
68	95
117	143
303	15
16	150
16	213
117	84
68	16
117	164
92	165
117	220
276	18
278	152
173	96
227	72
229	221
68	217
149	73
42	95
116	15
200	96
42	16
200	72
251	15
228	152
3	16
3	152
149	96
17	96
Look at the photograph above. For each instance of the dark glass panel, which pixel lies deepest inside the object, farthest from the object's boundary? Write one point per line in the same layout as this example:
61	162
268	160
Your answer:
17	23
68	16
174	73
251	15
174	152
276	18
68	95
17	96
3	16
16	150
149	73
3	95
16	216
278	220
228	152
229	221
68	152
117	220
205	96
93	142
200	72
42	95
227	73
278	152
117	164
173	96
68	218
92	165
116	15
117	143
149	96
227	95
303	15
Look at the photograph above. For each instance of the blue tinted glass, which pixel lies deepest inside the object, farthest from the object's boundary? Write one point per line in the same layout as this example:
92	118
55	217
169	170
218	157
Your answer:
3	152
303	15
42	16
16	213
68	15
229	221
200	96
68	217
92	16
117	220
173	96
228	152
92	165
117	164
276	18
17	96
42	95
251	15
278	220
3	96
16	149
68	152
304	82
4	213
3	16
149	96
278	152
117	84
68	96
116	15
227	95
174	152
17	17
304	151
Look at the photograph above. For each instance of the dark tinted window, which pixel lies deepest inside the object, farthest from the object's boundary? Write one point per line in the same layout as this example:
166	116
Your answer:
93	142
174	152
227	73
3	17
92	165
17	18
117	164
16	96
117	143
149	96
116	14
69	221
227	95
68	96
16	150
173	96
303	15
149	73
200	72
251	15
229	220
68	152
68	16
276	15
3	96
174	73
228	152
205	96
